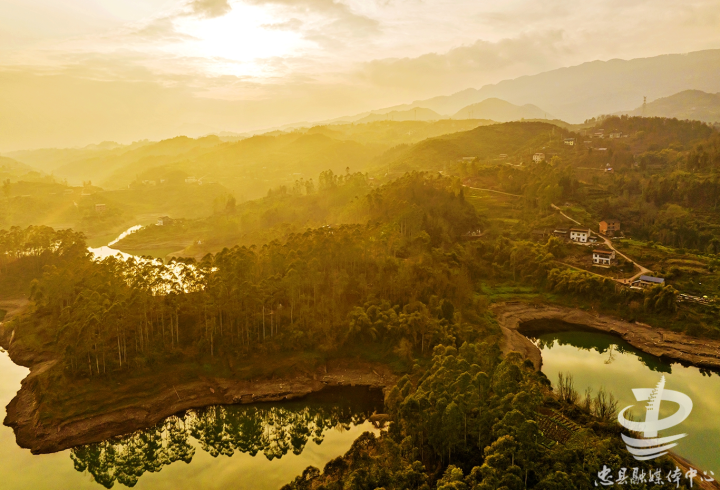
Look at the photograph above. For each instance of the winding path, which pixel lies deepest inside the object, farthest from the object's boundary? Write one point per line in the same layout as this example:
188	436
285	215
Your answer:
492	190
608	243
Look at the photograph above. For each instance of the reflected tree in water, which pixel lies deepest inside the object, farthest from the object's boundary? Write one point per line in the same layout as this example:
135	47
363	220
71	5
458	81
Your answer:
127	458
218	430
601	343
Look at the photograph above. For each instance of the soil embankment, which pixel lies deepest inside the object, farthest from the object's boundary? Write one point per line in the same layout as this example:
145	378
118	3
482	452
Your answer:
33	431
514	317
24	411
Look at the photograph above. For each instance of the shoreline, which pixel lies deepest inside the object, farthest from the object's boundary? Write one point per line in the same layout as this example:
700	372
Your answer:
662	343
659	342
24	412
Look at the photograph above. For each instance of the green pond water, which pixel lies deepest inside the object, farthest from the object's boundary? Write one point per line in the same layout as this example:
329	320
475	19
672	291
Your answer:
260	446
600	360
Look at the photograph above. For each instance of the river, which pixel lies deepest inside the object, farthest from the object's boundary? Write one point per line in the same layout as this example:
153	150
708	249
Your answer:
601	360
104	251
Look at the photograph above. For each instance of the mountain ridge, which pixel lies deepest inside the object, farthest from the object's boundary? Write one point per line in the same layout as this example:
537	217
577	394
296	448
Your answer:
689	104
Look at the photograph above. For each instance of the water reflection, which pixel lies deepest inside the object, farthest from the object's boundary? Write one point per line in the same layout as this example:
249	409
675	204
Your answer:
271	429
585	355
607	345
106	251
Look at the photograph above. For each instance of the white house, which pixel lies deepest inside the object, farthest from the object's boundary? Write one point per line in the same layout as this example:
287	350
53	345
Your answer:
579	234
603	257
570	141
538	157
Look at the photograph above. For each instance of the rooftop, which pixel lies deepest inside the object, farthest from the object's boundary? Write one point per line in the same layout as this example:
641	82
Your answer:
656	280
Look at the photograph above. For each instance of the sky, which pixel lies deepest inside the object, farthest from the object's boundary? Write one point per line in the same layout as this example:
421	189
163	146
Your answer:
76	72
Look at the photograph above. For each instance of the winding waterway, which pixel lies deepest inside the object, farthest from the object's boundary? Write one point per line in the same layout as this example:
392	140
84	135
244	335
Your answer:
601	360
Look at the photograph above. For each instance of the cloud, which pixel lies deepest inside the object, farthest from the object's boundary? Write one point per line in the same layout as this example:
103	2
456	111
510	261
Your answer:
292	24
162	29
467	66
323	21
210	9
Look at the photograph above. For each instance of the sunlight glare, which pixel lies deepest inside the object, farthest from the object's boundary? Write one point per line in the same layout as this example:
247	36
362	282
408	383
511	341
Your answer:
240	38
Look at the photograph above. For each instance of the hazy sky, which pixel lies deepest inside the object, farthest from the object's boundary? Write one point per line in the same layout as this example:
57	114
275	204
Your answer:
73	72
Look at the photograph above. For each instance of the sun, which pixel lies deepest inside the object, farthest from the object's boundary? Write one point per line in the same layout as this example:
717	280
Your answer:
237	43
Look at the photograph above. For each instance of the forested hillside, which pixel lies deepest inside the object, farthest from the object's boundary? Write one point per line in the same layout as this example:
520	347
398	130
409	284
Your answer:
689	104
399	271
474	421
187	178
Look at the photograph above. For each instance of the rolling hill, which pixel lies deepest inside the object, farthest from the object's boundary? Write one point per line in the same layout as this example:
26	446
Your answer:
689	104
417	114
516	140
48	159
10	167
500	111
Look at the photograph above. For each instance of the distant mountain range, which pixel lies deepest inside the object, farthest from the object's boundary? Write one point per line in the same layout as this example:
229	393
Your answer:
584	91
417	114
500	110
10	168
688	104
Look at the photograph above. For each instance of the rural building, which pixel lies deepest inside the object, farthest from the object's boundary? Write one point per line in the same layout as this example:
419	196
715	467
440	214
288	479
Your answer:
473	235
100	208
191	180
648	281
616	134
561	233
570	141
164	221
609	227
603	257
579	234
467	159
538	157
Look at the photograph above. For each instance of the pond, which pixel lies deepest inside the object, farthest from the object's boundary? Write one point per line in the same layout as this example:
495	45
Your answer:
259	446
599	360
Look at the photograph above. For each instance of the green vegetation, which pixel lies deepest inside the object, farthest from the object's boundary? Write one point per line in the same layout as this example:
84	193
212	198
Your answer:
396	261
472	421
273	430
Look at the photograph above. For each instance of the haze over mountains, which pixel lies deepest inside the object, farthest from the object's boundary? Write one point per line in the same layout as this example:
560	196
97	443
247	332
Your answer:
572	94
688	104
501	111
584	91
419	114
